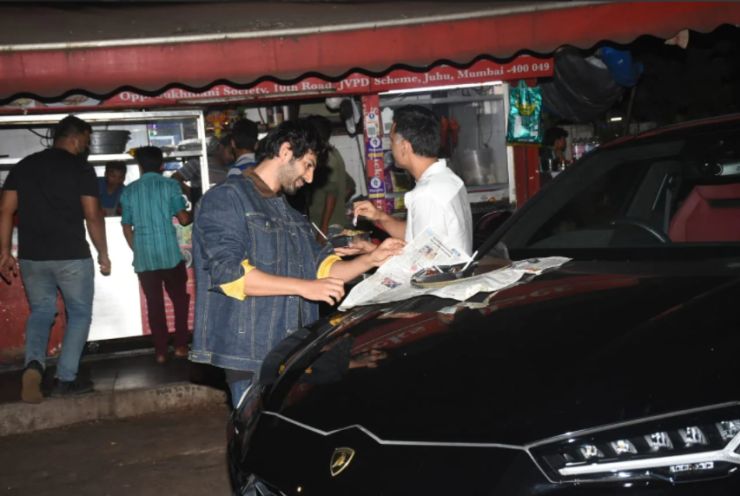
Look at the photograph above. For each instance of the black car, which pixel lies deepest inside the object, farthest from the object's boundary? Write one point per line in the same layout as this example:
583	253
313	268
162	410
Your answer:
612	375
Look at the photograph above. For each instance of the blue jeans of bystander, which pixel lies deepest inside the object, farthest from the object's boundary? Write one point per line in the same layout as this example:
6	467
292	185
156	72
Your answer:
74	278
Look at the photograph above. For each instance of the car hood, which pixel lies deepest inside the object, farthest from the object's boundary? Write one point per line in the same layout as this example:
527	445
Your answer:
579	347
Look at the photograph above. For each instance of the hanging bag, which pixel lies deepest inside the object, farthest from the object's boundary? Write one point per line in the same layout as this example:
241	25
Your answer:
525	110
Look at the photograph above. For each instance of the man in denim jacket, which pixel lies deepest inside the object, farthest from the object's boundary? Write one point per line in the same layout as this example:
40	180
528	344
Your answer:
259	270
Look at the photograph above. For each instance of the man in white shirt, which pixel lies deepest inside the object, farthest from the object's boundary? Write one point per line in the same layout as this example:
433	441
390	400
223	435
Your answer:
439	200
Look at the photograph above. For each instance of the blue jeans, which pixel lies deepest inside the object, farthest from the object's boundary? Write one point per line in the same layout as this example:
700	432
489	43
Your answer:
74	279
238	388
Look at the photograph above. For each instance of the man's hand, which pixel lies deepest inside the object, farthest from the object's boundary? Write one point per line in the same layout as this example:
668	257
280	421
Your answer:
356	247
329	290
8	267
104	264
365	208
388	248
393	226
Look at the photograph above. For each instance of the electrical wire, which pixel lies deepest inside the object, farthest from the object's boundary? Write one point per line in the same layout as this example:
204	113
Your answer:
45	138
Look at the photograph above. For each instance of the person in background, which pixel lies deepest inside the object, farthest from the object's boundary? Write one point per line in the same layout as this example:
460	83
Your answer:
189	172
111	186
328	190
552	154
149	204
219	162
54	191
439	200
244	142
220	157
259	270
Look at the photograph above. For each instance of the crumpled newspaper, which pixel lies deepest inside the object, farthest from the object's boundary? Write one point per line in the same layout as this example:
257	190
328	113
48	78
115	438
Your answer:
392	281
496	279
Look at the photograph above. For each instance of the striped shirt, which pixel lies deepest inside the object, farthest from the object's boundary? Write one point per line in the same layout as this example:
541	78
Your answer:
149	204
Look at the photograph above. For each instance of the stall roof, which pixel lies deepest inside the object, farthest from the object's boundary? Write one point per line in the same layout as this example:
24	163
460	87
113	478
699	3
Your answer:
50	51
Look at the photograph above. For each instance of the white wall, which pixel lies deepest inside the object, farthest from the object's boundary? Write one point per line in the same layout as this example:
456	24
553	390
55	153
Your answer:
348	147
21	142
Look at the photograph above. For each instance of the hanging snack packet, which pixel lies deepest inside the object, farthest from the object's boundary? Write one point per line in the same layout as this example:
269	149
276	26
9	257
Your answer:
525	110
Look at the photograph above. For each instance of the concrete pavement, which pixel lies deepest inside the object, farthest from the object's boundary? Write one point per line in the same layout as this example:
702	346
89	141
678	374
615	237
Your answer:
180	452
126	385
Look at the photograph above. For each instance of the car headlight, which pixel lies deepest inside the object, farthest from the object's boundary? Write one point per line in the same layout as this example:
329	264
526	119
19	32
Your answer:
682	446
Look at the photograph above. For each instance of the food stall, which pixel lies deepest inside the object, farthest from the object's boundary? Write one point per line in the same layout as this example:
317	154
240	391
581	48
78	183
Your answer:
472	97
462	68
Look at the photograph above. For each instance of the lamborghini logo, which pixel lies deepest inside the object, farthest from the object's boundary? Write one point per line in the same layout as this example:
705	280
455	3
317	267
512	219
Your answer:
340	460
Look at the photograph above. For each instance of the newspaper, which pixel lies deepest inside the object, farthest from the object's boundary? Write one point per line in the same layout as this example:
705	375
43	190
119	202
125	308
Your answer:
392	280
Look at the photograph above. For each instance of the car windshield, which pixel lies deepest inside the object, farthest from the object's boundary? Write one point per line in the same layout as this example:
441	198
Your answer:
670	192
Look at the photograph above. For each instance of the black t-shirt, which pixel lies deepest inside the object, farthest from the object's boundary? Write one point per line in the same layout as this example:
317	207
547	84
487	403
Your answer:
49	185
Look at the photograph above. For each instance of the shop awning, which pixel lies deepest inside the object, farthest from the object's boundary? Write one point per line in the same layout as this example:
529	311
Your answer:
51	51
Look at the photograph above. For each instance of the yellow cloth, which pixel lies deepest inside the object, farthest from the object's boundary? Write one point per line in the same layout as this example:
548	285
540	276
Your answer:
326	265
235	289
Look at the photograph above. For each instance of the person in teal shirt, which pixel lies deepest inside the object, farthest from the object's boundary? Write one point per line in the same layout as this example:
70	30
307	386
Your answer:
148	205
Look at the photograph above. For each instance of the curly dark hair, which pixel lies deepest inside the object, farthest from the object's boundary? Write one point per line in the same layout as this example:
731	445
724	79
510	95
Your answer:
300	134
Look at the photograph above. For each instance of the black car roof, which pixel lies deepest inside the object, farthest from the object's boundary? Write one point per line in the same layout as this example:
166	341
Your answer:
679	129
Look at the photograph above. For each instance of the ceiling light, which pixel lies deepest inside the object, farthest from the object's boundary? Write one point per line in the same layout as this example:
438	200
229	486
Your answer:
440	88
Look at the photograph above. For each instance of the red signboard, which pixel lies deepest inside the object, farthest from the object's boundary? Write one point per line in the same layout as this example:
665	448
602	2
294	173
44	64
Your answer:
483	71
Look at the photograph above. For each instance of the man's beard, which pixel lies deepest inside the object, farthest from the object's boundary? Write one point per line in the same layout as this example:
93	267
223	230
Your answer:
291	189
289	179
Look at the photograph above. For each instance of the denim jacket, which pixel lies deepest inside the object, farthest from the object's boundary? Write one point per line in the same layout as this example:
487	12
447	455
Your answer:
237	221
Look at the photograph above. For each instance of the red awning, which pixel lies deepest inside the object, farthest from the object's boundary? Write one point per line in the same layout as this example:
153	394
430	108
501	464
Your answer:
48	51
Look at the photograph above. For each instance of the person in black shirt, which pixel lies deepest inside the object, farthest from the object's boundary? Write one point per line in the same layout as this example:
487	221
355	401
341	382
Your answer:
54	191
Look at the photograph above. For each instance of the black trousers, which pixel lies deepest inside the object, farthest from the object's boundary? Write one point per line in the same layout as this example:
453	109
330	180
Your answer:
174	281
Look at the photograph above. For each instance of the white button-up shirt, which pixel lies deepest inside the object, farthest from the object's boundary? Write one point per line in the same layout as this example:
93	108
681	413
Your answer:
440	200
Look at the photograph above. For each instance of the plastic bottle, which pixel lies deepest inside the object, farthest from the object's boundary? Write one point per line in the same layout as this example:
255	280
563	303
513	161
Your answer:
578	148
